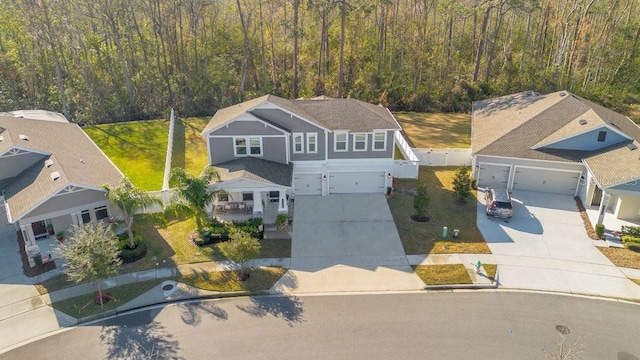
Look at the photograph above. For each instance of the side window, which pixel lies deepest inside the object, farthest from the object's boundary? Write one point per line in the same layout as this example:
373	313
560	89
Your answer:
359	142
312	143
602	136
241	146
298	143
340	143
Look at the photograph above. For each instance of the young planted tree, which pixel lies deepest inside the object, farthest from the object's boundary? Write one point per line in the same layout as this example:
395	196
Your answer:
421	204
92	254
462	185
193	194
128	199
240	248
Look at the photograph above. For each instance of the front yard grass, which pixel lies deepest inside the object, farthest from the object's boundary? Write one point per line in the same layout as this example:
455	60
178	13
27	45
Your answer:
426	238
436	130
121	294
137	148
225	281
446	274
622	257
490	270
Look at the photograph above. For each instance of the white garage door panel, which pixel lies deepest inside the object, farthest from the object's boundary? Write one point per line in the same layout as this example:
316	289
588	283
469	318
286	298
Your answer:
307	184
356	182
552	181
493	176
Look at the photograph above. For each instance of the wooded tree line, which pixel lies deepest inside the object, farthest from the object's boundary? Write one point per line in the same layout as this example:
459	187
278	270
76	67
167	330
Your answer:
116	60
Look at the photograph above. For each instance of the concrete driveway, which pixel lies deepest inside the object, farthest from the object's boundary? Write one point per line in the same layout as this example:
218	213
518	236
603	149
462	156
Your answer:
545	247
23	313
346	242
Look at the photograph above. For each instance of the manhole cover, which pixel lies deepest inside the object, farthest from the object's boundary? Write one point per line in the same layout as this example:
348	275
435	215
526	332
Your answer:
170	286
563	329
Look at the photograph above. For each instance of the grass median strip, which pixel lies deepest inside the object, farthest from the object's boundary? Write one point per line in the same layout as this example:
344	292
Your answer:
224	281
446	274
491	270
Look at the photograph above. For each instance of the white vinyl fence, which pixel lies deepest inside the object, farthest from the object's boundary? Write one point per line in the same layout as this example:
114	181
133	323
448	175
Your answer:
443	157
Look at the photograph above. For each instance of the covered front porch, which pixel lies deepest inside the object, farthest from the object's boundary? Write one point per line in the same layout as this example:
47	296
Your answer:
243	205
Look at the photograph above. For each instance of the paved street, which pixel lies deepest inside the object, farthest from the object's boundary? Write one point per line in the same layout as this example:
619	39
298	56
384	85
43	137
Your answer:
462	325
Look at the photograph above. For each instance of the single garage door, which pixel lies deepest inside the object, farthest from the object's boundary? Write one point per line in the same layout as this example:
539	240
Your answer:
356	182
551	181
493	176
307	184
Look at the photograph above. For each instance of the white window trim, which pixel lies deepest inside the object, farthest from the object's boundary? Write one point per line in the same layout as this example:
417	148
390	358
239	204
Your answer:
384	141
355	142
346	141
301	143
315	142
247	141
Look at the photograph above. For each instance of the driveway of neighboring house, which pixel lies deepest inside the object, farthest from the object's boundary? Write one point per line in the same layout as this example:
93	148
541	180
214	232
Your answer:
23	313
346	242
545	247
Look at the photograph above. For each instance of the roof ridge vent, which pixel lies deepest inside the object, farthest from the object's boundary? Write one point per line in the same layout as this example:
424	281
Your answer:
632	146
24	137
563	94
55	175
48	163
582	121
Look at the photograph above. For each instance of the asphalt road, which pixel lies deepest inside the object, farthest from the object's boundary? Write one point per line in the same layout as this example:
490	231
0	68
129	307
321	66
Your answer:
462	325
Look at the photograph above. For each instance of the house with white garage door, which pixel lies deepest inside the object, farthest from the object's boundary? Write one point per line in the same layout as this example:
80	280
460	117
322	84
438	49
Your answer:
270	149
558	143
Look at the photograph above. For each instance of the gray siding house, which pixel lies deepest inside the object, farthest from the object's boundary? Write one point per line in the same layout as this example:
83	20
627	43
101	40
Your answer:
270	149
559	143
51	174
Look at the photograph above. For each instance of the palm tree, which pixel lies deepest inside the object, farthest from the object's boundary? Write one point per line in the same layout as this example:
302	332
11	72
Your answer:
193	194
128	199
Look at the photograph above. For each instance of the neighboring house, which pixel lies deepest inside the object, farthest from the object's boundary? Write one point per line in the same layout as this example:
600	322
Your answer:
558	143
50	174
274	148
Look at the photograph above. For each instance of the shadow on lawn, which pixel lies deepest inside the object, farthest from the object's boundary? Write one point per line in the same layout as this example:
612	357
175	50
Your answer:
178	157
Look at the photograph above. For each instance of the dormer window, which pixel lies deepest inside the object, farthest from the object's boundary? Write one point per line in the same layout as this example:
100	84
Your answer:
602	136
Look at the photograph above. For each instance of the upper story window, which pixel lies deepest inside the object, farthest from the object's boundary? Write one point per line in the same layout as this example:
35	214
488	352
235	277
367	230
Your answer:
341	141
298	143
312	143
248	146
602	136
359	142
380	141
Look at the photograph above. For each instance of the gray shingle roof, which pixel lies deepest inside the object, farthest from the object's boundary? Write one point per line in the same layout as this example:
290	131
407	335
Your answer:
75	157
515	125
253	168
329	113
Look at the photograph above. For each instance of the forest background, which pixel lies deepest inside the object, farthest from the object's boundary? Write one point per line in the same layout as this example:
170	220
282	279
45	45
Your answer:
101	61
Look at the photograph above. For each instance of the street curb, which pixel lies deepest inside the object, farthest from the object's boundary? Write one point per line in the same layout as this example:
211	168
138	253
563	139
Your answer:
115	312
460	286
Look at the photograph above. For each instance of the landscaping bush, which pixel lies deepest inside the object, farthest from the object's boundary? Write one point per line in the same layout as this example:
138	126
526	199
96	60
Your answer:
630	239
599	230
633	231
132	255
218	232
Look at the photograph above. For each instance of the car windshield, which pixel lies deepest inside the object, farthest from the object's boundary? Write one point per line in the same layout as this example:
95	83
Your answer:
503	205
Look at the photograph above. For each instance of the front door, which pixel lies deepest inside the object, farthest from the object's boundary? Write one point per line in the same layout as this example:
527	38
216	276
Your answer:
39	228
597	197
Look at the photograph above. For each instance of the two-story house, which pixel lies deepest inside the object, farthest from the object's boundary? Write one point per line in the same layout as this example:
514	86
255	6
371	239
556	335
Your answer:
559	143
51	174
271	148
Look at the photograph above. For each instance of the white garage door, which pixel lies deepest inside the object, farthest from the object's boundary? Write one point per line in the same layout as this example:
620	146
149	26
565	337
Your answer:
552	181
493	176
307	184
356	182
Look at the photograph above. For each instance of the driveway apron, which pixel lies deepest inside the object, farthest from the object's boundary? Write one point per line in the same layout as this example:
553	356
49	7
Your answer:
23	313
346	242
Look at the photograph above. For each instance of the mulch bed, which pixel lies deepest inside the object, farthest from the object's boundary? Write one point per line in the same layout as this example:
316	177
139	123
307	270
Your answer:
28	270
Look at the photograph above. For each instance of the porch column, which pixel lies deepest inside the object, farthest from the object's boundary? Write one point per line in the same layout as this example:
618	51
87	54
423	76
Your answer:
75	218
257	204
603	206
27	234
283	206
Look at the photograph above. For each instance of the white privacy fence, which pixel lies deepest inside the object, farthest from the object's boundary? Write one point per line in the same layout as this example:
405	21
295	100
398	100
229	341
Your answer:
443	157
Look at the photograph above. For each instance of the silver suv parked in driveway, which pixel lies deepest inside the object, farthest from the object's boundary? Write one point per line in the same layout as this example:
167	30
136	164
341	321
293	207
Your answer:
498	203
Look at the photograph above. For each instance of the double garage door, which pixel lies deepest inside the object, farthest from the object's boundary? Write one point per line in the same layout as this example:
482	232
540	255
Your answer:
340	183
534	179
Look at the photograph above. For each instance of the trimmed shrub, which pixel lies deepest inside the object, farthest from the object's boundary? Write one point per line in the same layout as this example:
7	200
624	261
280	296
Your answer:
630	239
631	230
131	255
599	230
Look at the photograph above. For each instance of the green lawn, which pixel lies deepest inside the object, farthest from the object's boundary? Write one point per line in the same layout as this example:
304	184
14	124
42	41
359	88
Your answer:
447	274
189	149
491	270
436	130
425	238
259	279
137	148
